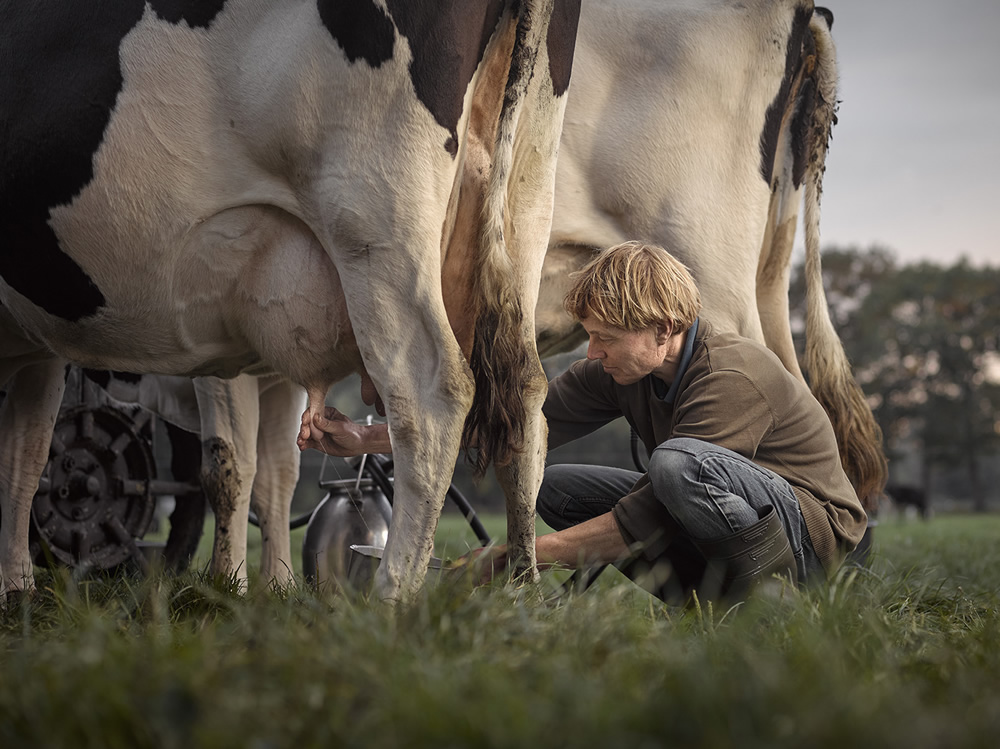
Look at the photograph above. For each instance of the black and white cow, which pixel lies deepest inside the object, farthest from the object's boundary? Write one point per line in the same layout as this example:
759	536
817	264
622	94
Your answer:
698	126
232	187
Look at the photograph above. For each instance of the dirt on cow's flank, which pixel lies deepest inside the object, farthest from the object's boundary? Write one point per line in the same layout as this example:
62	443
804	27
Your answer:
903	654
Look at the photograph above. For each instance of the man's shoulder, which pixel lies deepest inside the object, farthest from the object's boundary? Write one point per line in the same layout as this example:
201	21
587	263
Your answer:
727	350
744	363
587	368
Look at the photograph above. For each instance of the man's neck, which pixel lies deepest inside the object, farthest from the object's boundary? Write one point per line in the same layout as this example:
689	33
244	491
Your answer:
672	359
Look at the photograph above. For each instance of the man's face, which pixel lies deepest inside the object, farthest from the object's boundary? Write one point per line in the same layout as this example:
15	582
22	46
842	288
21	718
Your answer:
626	355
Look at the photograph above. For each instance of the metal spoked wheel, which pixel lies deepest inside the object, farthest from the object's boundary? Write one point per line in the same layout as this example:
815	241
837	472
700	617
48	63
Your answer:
95	499
98	493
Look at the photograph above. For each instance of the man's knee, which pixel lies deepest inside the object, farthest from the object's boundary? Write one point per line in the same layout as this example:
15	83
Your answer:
677	475
552	496
675	462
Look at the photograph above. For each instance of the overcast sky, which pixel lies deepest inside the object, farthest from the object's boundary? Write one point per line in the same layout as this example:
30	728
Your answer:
914	163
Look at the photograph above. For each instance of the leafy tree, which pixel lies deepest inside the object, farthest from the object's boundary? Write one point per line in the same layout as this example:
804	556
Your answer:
925	343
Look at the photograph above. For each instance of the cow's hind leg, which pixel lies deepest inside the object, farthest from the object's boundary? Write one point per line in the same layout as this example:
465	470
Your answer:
521	478
27	418
511	388
414	360
774	269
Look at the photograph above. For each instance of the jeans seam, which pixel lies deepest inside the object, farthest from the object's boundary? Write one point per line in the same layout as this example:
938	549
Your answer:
721	461
568	499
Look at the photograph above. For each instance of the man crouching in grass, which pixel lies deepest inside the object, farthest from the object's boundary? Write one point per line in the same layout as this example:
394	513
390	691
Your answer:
744	481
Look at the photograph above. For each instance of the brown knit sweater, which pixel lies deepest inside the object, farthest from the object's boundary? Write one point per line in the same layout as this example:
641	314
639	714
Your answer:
731	392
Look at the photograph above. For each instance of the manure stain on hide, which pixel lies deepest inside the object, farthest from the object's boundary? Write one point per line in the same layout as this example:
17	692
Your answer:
220	479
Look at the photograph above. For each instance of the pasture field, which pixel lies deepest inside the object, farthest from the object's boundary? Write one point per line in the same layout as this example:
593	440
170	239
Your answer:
905	653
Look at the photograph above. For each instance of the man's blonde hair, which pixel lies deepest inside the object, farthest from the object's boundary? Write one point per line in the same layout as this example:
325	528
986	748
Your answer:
634	285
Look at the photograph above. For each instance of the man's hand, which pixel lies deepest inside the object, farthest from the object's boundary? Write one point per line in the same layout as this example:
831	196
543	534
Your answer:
333	433
594	541
485	563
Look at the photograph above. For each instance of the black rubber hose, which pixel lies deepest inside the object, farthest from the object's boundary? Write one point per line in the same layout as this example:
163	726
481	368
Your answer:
378	466
470	515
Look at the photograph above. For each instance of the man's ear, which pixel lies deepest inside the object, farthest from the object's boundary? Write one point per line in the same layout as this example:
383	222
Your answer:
663	332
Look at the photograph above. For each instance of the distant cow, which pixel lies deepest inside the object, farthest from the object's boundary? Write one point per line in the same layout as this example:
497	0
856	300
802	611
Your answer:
906	495
697	126
232	187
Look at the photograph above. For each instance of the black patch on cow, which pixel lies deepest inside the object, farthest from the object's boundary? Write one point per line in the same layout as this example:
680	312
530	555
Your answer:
801	124
561	41
59	80
361	29
777	108
60	77
195	13
447	40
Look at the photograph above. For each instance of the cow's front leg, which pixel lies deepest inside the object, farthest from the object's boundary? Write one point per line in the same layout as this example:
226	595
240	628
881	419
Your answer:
229	418
27	419
427	399
418	369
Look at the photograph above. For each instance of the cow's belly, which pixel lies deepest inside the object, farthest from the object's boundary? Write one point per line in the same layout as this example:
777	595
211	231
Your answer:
667	153
247	290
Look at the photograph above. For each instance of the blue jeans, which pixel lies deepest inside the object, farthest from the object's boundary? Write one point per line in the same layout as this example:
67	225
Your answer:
711	492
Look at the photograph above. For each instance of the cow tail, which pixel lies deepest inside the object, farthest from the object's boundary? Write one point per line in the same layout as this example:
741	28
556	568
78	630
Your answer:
501	365
830	377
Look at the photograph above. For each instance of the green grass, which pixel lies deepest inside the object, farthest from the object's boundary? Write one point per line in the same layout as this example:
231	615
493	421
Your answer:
904	654
454	537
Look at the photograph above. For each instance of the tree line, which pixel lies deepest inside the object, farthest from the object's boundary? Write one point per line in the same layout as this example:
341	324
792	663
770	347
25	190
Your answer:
924	341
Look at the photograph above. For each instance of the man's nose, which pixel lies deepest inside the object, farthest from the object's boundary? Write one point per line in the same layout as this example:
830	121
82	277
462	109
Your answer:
594	352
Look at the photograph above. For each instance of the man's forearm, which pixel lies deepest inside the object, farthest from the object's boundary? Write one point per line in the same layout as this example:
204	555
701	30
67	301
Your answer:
333	433
594	541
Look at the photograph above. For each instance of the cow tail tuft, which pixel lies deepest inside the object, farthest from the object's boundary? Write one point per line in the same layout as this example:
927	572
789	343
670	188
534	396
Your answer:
830	377
500	363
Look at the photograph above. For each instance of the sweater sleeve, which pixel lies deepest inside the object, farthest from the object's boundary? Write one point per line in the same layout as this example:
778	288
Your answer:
644	522
578	402
726	409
